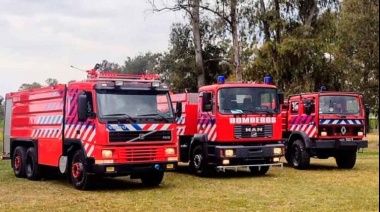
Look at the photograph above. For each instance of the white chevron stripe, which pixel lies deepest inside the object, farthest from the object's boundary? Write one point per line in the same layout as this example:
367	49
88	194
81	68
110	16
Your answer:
86	146
153	127
86	133
90	151
326	121
350	122
358	121
313	132
91	136
165	127
335	122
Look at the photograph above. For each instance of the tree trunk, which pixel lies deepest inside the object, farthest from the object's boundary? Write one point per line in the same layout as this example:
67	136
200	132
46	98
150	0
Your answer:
197	43
235	40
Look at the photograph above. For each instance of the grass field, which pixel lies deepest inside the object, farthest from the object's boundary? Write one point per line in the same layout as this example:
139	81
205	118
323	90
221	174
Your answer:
321	188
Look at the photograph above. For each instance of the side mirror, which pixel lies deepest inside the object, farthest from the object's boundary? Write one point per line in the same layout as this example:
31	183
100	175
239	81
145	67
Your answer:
178	109
309	106
82	108
207	102
281	98
367	111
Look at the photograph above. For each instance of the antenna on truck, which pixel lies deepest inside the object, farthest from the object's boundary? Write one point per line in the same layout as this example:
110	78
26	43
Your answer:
78	68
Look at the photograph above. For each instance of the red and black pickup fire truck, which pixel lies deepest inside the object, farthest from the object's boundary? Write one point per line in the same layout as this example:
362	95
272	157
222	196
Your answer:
107	125
322	125
230	125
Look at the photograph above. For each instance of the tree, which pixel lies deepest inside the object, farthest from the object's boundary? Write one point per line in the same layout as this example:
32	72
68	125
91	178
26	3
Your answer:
142	63
2	109
358	48
51	82
27	86
106	66
191	7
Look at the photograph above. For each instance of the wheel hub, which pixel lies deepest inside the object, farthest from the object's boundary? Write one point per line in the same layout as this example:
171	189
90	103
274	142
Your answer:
197	161
17	161
77	170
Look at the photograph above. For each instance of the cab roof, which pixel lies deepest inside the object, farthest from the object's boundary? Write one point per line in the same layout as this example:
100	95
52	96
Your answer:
236	85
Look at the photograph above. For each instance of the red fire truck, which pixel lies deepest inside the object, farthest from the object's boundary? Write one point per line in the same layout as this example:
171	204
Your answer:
106	125
322	125
230	125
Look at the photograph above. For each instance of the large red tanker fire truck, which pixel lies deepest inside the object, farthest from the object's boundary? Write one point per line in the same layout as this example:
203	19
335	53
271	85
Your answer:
230	125
107	125
322	125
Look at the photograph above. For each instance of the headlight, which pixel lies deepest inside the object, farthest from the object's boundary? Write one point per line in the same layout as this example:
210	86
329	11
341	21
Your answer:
229	152
323	133
169	151
277	151
360	134
107	153
155	84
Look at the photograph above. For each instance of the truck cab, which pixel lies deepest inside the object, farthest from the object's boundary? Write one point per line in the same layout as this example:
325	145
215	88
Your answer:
107	125
322	125
230	125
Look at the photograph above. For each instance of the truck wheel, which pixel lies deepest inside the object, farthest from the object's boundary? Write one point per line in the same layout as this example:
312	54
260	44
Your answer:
78	173
32	169
288	158
18	161
198	163
152	179
299	155
259	170
346	159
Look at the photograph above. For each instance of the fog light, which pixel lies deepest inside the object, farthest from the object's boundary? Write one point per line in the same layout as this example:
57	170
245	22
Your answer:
107	153
360	134
119	83
277	151
172	158
323	133
226	162
229	152
110	169
169	151
155	84
276	159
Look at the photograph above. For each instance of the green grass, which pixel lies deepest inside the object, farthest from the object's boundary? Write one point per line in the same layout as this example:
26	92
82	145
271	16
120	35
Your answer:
323	187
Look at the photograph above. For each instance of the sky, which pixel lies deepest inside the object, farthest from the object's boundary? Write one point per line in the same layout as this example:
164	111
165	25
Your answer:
41	39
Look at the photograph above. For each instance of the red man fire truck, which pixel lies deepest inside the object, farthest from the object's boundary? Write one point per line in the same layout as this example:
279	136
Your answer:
230	125
107	125
322	125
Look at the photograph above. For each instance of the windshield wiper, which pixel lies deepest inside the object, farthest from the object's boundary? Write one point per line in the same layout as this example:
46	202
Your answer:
124	115
155	114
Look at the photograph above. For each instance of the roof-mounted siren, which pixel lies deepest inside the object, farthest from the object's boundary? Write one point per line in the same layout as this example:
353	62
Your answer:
268	80
323	88
221	80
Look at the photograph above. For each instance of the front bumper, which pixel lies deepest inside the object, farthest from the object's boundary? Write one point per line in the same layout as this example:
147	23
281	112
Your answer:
339	144
131	169
246	155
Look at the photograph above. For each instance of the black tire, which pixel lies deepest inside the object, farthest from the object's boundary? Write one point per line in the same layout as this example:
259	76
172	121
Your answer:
152	179
288	158
18	161
300	158
259	170
198	163
346	159
78	173
32	169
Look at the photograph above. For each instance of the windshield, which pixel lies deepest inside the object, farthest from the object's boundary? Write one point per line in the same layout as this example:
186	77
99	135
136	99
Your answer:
134	103
339	105
247	100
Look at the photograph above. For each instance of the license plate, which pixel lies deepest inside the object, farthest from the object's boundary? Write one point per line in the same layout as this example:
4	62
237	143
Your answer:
253	131
169	166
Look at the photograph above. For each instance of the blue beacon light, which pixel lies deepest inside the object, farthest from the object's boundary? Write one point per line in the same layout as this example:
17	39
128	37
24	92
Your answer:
268	80
221	79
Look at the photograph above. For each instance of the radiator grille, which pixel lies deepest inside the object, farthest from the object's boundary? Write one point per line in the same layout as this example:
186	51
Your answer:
140	136
248	131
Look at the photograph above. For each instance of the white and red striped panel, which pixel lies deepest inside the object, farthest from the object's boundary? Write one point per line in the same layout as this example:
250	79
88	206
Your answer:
309	129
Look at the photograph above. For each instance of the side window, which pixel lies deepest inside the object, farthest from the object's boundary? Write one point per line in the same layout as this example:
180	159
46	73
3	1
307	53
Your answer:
90	104
294	107
309	106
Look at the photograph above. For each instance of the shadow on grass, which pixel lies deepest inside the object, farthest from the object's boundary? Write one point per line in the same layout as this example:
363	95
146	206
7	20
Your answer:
103	183
184	170
316	167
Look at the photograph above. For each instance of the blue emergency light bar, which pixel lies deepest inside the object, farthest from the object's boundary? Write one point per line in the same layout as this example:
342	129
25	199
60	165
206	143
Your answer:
221	80
268	80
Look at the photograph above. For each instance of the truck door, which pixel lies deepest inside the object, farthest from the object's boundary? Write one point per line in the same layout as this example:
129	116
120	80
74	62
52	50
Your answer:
293	117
